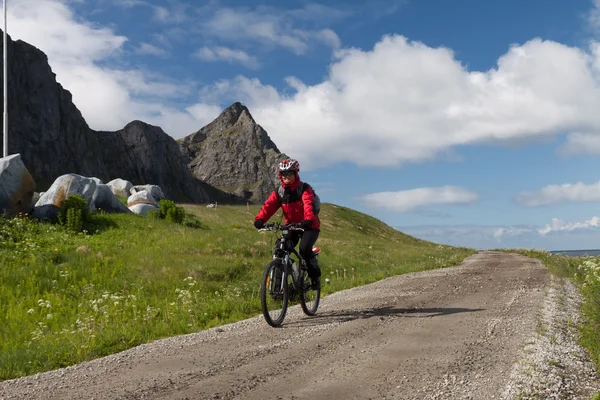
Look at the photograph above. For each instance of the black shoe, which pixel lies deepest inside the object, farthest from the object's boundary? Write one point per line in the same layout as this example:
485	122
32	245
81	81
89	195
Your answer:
316	284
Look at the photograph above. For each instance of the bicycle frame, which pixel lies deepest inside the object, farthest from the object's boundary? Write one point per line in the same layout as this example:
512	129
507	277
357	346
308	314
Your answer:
283	249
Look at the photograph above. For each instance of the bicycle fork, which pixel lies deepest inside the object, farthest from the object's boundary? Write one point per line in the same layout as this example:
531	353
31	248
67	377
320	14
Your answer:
276	285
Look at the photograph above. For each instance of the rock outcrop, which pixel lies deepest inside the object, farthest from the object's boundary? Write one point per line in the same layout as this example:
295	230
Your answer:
234	154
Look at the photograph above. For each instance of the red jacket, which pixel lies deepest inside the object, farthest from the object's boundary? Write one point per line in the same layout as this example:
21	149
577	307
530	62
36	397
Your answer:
295	209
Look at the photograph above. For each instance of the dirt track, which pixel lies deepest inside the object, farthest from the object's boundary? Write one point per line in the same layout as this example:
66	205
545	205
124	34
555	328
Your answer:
452	333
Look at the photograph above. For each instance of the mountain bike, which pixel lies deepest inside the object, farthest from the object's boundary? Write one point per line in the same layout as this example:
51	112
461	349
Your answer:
286	279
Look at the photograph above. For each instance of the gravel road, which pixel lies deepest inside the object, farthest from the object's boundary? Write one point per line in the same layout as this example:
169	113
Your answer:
497	326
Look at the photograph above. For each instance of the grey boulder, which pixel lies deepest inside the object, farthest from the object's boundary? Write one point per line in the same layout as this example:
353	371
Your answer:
16	186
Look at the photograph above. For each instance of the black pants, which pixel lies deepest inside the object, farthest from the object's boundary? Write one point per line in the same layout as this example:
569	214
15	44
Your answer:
307	242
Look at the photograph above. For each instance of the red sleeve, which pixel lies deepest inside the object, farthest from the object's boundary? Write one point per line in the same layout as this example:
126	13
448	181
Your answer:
269	208
307	200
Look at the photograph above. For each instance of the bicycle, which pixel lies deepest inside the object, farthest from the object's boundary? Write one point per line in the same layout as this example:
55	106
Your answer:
285	280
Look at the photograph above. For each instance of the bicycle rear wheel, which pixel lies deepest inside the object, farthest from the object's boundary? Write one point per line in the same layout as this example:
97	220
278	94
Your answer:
274	293
309	299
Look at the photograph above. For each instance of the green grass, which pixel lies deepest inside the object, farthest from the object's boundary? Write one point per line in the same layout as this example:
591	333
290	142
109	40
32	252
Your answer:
67	297
585	273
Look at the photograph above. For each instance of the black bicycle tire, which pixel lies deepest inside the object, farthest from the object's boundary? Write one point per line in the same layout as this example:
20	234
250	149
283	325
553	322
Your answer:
263	295
306	310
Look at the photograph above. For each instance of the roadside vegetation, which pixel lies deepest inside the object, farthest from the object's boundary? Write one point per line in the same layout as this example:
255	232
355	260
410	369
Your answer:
90	285
585	273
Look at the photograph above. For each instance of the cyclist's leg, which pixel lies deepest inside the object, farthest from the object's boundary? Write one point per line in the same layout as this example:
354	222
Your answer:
309	238
294	238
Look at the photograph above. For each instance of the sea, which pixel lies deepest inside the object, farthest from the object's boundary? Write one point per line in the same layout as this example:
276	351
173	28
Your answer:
578	253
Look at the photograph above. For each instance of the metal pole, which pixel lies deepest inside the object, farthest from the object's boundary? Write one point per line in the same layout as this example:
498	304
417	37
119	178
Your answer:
5	123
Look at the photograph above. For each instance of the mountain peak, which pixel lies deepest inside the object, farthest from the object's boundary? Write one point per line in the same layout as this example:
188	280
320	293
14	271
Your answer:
235	154
232	114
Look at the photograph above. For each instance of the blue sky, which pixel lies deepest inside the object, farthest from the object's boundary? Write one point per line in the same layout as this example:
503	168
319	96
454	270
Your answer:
468	123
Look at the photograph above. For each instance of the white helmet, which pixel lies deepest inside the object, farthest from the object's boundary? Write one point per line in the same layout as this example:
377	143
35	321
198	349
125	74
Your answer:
289	165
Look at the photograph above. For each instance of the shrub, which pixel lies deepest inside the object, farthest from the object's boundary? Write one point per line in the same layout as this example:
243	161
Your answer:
169	211
175	215
73	212
74	220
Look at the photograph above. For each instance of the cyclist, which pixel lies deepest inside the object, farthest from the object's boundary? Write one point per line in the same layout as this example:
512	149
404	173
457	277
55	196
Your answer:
296	209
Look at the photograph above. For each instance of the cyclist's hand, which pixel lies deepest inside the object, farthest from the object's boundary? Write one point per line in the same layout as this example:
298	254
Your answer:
259	223
307	223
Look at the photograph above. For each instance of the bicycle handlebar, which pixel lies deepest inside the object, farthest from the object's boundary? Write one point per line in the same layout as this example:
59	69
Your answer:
277	226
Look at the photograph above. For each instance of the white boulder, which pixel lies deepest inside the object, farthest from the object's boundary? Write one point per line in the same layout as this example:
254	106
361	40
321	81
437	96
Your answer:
141	202
154	190
142	209
120	187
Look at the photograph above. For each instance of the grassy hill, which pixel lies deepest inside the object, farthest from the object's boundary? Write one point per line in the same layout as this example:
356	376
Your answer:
67	297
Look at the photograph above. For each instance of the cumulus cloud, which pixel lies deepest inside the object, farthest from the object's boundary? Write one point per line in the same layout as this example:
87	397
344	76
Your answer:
413	199
565	193
560	226
220	53
404	101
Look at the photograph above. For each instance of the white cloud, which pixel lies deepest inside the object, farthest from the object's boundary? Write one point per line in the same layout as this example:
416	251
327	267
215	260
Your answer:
147	48
328	37
74	49
49	25
561	226
220	53
593	16
268	26
413	199
405	102
581	143
202	112
320	12
499	233
250	91
174	12
554	194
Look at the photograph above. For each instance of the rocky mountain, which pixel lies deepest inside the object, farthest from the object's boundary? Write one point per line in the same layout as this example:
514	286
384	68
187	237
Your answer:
145	153
234	154
53	138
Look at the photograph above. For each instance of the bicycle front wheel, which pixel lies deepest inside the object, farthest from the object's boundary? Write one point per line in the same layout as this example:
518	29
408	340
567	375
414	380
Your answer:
274	293
309	298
